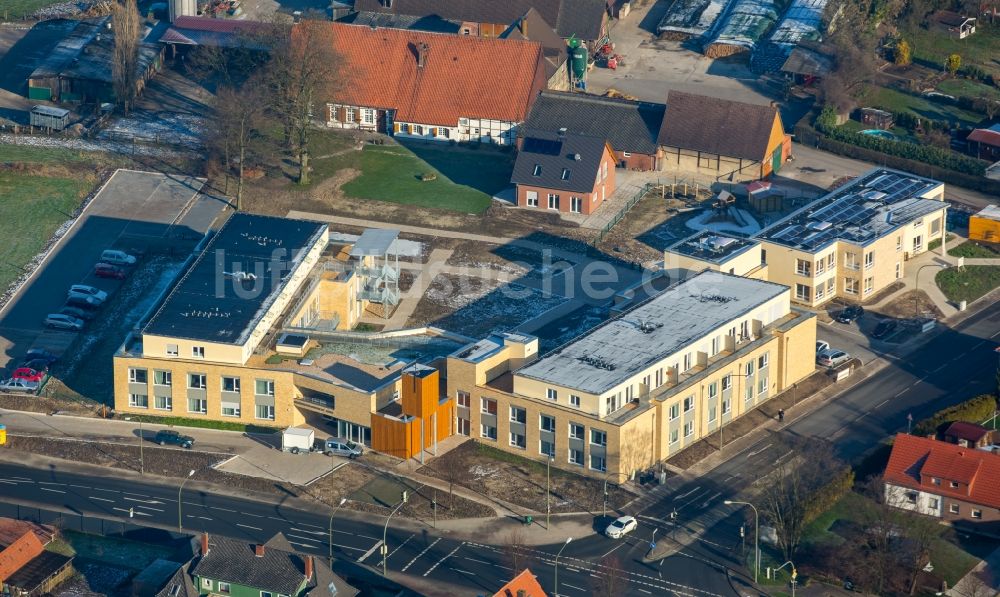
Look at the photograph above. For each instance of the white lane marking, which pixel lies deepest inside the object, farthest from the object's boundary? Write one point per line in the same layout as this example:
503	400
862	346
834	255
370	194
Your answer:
108	490
129	499
246	526
566	584
49	483
149	508
79	486
880	403
311	532
709	501
138	494
478	561
389	555
462	571
417	557
686	494
306	545
649	592
6	482
370	551
52	490
756	452
100	499
254	515
196	516
132	512
306	524
613	549
223	509
441	561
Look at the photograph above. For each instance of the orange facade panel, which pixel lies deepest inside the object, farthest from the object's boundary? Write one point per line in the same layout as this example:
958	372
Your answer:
984	229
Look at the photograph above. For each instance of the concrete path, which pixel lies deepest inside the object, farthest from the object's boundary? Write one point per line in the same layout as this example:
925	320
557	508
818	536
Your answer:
981	581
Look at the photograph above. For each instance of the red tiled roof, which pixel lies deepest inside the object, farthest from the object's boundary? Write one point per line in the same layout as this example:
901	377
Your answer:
525	581
12	529
986	137
16	555
967	431
977	471
463	77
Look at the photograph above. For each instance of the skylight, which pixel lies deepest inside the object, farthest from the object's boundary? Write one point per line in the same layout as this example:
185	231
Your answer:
565	174
538	170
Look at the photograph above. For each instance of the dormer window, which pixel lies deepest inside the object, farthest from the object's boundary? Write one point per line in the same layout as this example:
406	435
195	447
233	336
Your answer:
953	484
565	174
537	171
935	481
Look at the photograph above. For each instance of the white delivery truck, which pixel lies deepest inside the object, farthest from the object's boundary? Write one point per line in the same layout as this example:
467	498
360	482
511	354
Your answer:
296	439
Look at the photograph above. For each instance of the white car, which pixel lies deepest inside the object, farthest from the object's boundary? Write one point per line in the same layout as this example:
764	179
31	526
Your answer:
622	526
18	385
61	321
83	290
832	358
115	257
822	346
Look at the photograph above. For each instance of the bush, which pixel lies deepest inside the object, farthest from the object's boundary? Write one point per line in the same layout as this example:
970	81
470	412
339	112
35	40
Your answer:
902	54
826	496
934	156
953	63
975	410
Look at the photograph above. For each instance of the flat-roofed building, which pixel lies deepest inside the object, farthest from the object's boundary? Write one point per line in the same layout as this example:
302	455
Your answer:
642	386
717	252
855	241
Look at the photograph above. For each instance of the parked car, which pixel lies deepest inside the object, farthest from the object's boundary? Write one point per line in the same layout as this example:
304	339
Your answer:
821	346
79	313
80	301
106	270
832	358
40	353
59	321
622	526
116	257
84	290
28	374
342	447
850	314
168	436
18	385
37	365
884	328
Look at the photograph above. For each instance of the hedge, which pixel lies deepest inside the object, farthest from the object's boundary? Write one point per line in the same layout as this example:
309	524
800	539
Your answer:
829	494
975	410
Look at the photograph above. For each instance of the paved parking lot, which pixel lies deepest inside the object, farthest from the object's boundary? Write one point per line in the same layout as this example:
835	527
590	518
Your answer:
133	211
266	460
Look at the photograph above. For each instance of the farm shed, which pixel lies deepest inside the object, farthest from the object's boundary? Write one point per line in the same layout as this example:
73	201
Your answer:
49	117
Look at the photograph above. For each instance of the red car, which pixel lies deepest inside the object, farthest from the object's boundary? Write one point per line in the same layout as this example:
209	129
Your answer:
28	374
106	270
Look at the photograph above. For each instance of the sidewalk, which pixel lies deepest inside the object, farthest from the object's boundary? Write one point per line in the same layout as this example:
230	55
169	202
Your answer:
979	580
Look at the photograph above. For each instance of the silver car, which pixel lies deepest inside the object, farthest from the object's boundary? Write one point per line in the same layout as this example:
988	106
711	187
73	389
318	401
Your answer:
89	291
59	321
18	385
342	447
116	257
832	358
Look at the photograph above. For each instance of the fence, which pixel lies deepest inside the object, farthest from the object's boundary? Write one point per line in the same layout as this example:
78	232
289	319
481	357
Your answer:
621	213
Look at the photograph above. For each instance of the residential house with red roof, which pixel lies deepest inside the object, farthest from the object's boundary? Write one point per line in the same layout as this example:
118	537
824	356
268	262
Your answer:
524	584
947	481
26	568
434	86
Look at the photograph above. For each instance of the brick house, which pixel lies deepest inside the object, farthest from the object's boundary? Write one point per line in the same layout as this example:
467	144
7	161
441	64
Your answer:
564	172
402	82
968	435
26	568
630	127
946	481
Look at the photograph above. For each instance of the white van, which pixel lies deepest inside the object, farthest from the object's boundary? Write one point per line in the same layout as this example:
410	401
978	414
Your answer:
342	447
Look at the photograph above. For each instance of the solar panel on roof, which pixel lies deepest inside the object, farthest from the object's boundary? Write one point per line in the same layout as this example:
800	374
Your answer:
543	146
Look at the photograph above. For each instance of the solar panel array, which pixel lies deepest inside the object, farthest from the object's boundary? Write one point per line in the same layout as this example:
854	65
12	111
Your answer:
543	146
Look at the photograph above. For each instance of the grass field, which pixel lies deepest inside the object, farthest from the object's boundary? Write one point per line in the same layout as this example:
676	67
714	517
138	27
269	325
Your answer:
973	249
968	88
897	101
969	284
32	207
16	9
980	49
464	178
27	154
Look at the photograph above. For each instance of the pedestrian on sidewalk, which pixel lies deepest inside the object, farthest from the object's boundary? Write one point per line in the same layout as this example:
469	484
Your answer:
781	415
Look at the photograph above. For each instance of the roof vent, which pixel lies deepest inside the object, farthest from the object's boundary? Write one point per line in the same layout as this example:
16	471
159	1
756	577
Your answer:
577	157
562	131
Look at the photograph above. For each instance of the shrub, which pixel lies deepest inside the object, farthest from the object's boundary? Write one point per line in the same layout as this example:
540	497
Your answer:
975	410
953	63
935	156
829	494
902	54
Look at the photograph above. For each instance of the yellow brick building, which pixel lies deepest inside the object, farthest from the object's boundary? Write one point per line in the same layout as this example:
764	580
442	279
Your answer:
642	386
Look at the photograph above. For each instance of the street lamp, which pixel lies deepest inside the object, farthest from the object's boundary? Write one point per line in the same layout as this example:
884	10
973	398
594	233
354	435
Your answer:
795	573
734	396
556	579
916	297
180	521
385	532
756	537
342	502
618	475
548	492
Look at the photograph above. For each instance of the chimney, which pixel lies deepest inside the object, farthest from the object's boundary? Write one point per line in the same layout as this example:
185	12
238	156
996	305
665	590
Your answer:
309	567
258	550
422	50
523	26
204	543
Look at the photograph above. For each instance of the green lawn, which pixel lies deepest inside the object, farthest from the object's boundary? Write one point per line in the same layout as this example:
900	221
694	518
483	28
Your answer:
32	207
980	49
202	424
897	101
26	154
464	178
973	249
969	284
968	88
17	9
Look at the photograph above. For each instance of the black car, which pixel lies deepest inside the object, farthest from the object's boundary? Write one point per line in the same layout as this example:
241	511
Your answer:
850	314
37	364
42	354
81	302
172	437
84	314
884	328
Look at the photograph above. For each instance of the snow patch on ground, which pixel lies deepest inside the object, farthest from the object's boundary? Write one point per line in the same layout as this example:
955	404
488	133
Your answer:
172	128
89	145
701	222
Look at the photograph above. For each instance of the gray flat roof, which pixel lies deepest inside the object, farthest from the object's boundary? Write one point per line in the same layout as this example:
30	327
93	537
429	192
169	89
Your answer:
216	301
374	242
711	246
652	331
867	208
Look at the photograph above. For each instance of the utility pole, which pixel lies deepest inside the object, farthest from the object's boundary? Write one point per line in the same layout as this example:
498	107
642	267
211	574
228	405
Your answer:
142	462
548	492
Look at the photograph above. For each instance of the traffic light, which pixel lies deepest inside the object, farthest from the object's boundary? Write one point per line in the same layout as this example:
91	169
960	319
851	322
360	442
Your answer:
405	496
673	515
131	513
742	531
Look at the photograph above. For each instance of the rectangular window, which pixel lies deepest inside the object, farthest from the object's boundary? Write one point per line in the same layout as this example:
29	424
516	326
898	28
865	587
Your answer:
224	587
546	423
820	291
689	429
576	457
977	513
762	360
464	399
935	481
368	116
762	384
713	389
196	381
518	415
725	406
138	400
727	382
547	448
918	244
869	284
870	260
488	432
626	154
264	411
551	394
749	393
820	266
598	437
418	129
575	431
574	400
264	387
674	436
575	204
831	261
687	362
553	201
488	406
831	286
172	350
899	243
198	352
850	286
598	463
604	170
230	409
197	406
537	170
953	484
953	508
137	375
935	226
231	384
531	198
517	440
715	346
932	503
749	368
675	411
851	261
803	267
803	292
565	174
163	403
163	378
206	583
689	404
711	414
350	115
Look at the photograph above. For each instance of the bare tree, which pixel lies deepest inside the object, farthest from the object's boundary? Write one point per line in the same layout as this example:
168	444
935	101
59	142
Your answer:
514	550
612	580
453	470
125	61
975	584
302	73
238	114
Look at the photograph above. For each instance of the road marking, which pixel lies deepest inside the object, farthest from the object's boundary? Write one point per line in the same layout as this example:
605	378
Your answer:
880	403
566	584
613	549
900	393
306	524
142	501
100	499
312	532
195	516
246	526
305	538
649	592
389	555
478	561
254	515
223	509
306	545
108	490
462	571
139	494
52	490
8	482
132	512
80	486
441	561
686	494
712	499
417	557
370	551
756	452
49	483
